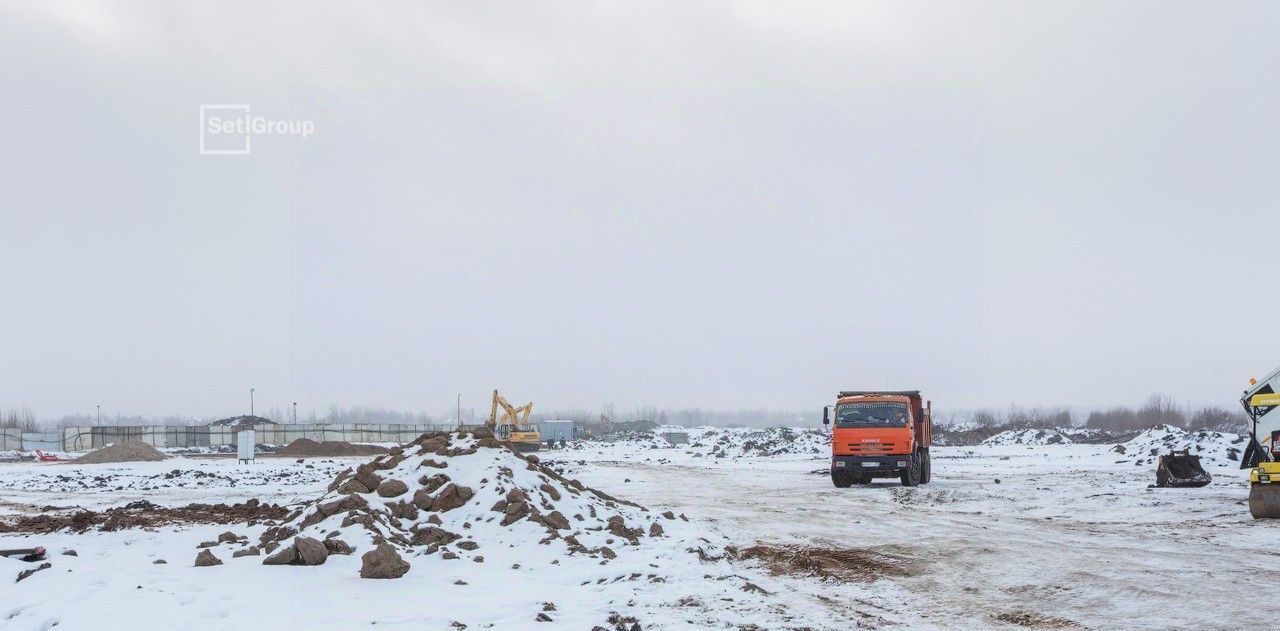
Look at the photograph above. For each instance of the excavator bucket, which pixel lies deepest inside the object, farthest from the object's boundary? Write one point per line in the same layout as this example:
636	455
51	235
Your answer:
1180	469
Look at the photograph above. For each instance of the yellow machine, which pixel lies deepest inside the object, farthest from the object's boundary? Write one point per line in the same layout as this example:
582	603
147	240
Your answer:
1262	454
513	427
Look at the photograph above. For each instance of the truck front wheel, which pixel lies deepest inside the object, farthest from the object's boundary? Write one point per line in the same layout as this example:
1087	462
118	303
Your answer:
911	477
841	480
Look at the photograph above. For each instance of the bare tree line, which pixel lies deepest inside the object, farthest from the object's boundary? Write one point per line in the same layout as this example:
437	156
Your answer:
1157	409
1162	410
687	417
25	419
21	419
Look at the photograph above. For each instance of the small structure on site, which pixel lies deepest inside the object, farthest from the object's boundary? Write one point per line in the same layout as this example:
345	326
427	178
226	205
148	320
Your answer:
244	446
676	438
556	430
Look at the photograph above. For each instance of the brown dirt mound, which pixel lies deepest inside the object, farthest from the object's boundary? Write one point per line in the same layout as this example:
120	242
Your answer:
143	515
308	447
845	564
1035	620
127	451
458	494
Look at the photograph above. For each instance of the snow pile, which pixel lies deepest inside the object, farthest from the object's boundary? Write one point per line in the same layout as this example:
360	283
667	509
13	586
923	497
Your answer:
736	442
1023	436
1029	437
461	496
642	440
1214	448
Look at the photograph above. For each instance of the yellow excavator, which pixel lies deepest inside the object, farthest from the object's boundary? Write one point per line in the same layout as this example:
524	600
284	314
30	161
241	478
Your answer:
1262	454
513	427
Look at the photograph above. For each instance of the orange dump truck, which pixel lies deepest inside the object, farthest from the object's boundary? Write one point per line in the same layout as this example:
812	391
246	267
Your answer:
879	435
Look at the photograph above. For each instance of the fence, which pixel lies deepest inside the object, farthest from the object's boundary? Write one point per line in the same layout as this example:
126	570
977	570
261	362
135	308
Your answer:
10	439
17	440
86	438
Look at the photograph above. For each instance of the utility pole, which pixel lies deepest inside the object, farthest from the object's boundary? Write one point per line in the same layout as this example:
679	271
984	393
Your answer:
459	416
251	401
99	421
295	412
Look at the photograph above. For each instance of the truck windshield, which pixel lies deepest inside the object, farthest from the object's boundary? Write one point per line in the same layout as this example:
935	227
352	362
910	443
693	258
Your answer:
871	415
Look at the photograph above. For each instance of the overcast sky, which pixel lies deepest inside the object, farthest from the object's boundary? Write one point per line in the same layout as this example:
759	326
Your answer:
716	204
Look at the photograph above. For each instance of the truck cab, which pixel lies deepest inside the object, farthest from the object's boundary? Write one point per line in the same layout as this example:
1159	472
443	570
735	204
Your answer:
879	434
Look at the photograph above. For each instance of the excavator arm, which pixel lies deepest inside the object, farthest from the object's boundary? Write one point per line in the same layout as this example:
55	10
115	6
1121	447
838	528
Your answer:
520	432
511	415
521	414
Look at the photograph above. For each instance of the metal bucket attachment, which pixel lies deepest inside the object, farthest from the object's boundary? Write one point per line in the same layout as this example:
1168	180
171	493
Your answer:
1180	469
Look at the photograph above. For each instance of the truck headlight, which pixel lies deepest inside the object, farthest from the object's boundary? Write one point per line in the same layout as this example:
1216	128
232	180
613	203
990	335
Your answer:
839	463
902	463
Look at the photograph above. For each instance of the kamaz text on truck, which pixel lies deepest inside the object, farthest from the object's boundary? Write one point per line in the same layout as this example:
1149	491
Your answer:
880	435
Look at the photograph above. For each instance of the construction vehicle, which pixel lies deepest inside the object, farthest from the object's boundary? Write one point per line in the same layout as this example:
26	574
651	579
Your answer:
1262	454
880	434
513	427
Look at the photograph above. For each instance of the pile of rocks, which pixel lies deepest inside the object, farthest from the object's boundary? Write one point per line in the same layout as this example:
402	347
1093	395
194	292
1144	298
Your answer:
451	496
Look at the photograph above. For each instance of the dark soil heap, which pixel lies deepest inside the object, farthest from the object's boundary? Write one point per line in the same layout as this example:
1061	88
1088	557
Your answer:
143	514
308	447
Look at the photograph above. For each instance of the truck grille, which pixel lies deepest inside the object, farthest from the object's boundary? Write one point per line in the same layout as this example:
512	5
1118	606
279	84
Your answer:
871	448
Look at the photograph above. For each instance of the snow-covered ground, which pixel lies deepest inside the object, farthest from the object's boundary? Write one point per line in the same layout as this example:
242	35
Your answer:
731	442
1006	536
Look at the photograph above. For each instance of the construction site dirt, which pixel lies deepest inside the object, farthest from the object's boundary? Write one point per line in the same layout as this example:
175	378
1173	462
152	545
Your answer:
141	514
1006	536
305	447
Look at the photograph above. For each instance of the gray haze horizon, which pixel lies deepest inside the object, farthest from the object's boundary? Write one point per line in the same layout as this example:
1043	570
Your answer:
720	205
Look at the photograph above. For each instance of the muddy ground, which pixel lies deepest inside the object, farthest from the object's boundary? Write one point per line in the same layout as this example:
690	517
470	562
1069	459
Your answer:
139	514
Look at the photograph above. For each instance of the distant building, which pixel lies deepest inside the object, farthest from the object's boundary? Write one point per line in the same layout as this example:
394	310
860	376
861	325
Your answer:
555	429
676	438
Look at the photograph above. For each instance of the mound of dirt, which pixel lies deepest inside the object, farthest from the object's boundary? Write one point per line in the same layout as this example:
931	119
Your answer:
127	451
1036	620
308	447
142	514
460	494
849	564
